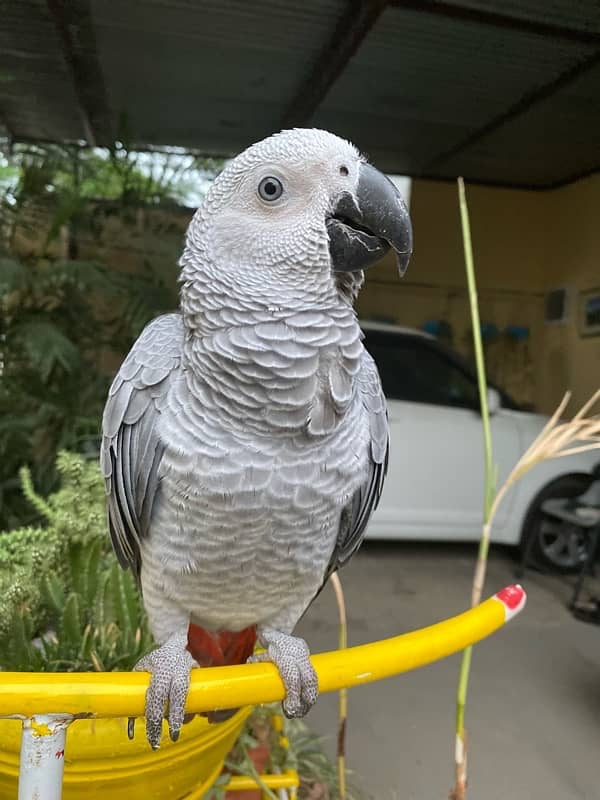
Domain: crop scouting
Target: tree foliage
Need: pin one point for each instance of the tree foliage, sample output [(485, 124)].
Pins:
[(59, 316), (57, 321)]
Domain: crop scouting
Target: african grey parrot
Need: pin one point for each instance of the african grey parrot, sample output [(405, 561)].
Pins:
[(245, 438)]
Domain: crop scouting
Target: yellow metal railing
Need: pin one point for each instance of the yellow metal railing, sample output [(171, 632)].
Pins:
[(241, 783), (110, 695), (121, 694)]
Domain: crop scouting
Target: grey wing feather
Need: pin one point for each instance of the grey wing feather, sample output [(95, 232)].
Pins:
[(356, 515), (131, 447)]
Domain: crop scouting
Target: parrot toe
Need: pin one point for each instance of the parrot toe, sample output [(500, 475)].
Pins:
[(291, 656), (170, 667)]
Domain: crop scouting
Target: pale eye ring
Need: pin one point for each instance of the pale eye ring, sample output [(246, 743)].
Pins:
[(270, 189)]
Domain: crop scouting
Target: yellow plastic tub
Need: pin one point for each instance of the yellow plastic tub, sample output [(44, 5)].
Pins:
[(101, 762)]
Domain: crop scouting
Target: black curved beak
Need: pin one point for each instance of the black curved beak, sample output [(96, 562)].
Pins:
[(361, 231)]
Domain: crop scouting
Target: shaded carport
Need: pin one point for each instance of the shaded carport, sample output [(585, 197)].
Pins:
[(502, 92)]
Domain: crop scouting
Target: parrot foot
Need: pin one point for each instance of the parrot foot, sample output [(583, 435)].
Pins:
[(170, 666), (291, 656)]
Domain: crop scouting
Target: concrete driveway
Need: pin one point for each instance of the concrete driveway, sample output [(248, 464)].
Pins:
[(534, 706)]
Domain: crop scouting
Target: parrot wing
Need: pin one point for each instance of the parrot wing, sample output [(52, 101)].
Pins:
[(356, 515), (131, 448)]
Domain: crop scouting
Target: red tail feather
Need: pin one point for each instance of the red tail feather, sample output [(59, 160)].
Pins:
[(222, 648)]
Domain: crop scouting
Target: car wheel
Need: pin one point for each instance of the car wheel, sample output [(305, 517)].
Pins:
[(549, 542)]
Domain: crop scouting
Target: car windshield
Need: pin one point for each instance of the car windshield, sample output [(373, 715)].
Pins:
[(421, 370)]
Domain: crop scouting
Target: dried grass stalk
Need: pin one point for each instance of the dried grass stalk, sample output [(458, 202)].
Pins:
[(343, 695), (556, 440)]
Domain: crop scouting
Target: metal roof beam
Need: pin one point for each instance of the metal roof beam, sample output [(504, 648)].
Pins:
[(497, 20), (525, 103), (74, 25), (5, 127), (356, 22)]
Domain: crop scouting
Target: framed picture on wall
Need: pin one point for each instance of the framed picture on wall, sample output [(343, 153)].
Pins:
[(589, 312)]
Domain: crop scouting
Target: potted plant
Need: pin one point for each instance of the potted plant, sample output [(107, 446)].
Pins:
[(65, 605)]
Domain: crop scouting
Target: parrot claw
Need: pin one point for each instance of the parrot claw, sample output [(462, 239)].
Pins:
[(170, 666), (291, 656)]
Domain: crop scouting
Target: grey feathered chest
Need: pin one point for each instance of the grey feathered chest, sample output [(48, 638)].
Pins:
[(266, 442), (249, 525), (271, 439)]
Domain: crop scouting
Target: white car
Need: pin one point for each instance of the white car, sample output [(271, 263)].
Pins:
[(435, 482)]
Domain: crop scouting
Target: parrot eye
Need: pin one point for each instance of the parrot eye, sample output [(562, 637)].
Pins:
[(270, 189), (343, 170)]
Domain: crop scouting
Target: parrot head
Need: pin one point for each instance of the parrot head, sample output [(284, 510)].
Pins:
[(300, 199)]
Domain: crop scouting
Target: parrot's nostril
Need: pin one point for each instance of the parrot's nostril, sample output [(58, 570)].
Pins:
[(343, 170)]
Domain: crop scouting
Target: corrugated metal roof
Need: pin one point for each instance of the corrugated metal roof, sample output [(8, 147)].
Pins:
[(213, 75), (581, 15), (37, 98), (418, 86), (553, 142), (501, 92)]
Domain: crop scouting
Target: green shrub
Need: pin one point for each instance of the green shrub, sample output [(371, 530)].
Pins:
[(26, 556), (65, 604), (76, 512)]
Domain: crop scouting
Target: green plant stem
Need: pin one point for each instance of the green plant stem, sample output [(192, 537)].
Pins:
[(38, 502), (478, 346), (480, 569), (462, 690)]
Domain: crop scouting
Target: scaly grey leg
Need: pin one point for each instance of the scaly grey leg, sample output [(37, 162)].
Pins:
[(291, 656), (170, 665)]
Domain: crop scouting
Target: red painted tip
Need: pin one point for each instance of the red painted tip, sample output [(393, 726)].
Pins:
[(513, 598)]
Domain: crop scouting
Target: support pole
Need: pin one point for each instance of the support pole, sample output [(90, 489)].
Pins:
[(43, 756)]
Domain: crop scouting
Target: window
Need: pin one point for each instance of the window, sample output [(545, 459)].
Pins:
[(412, 369), (556, 305)]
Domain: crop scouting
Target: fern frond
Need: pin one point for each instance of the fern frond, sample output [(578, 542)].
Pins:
[(46, 346)]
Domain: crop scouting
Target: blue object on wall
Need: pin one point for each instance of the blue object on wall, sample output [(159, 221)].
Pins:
[(432, 327), (438, 328), (489, 331), (520, 333)]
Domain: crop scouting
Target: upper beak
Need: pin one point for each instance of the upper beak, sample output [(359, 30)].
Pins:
[(362, 229)]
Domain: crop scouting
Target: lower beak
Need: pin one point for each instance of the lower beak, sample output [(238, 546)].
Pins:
[(364, 227)]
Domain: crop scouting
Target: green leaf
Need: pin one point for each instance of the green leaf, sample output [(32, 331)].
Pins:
[(69, 208), (13, 275), (92, 567), (101, 602), (53, 594), (124, 599), (46, 347), (19, 648), (70, 630), (87, 642)]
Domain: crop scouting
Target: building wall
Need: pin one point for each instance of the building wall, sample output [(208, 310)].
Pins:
[(572, 259), (524, 243)]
